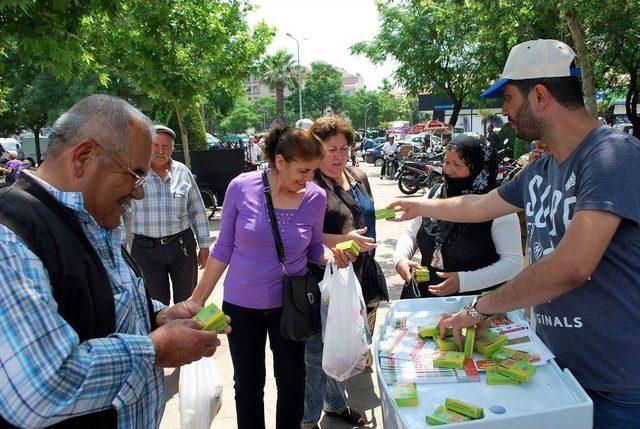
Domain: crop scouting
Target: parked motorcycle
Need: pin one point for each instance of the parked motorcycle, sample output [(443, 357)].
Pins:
[(414, 176), (392, 165)]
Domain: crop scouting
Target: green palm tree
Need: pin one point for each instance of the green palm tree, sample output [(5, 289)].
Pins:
[(278, 71)]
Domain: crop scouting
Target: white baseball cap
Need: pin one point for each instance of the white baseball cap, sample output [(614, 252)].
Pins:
[(535, 59)]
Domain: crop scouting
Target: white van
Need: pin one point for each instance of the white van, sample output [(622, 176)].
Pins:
[(11, 144)]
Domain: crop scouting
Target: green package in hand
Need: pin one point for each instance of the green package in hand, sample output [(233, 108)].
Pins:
[(212, 318), (386, 213), (349, 246)]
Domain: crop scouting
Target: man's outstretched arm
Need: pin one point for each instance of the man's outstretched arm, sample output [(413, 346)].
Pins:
[(466, 208)]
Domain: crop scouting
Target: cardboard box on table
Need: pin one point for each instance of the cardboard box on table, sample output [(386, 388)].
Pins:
[(552, 399)]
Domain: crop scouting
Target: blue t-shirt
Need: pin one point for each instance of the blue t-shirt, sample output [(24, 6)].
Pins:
[(594, 330)]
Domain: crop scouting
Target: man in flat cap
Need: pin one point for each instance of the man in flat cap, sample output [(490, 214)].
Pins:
[(164, 223)]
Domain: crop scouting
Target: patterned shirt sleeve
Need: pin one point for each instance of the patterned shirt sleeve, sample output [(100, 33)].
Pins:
[(198, 215), (46, 375)]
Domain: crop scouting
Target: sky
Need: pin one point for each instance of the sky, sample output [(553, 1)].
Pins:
[(331, 26)]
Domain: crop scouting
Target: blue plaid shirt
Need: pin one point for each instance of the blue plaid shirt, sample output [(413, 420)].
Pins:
[(46, 374), (170, 206)]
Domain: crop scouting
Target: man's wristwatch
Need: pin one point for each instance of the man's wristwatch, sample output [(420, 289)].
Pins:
[(470, 309)]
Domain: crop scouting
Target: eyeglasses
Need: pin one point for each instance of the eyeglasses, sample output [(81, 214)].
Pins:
[(139, 180)]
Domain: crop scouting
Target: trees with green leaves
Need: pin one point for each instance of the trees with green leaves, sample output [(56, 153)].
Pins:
[(436, 46), (242, 117), (322, 90), (278, 71), (613, 32), (173, 50)]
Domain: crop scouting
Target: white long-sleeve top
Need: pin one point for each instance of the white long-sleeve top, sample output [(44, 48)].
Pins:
[(505, 232)]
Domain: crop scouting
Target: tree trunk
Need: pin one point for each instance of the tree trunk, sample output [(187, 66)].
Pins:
[(631, 102), (279, 103), (202, 116), (185, 137), (588, 84), (36, 137)]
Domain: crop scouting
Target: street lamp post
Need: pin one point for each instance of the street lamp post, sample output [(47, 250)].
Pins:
[(366, 108), (299, 79)]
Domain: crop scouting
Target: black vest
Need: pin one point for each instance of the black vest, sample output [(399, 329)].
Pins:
[(468, 247), (79, 281)]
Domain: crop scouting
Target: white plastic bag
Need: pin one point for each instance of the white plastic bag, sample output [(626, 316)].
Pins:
[(200, 391), (345, 341), (325, 293)]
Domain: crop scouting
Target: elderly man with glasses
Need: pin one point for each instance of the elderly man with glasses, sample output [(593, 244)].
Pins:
[(164, 222), (83, 346)]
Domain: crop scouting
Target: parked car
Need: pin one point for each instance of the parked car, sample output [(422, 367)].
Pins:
[(374, 155), (11, 144)]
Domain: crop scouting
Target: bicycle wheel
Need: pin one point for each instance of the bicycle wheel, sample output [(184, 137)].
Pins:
[(210, 202)]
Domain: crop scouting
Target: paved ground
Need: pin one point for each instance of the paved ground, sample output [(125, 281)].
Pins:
[(362, 389)]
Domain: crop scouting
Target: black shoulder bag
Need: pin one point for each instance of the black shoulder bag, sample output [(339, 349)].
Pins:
[(301, 294)]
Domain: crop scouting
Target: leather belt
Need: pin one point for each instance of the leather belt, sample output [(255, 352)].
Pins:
[(161, 240)]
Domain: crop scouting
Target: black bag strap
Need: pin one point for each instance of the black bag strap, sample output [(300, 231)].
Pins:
[(274, 222)]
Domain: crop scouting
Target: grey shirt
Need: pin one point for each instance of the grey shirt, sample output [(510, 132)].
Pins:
[(594, 330)]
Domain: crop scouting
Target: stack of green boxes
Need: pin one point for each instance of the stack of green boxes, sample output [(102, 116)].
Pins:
[(448, 359), (421, 274), (212, 318), (454, 411), (511, 366)]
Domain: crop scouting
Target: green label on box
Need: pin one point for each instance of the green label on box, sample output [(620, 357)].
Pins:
[(489, 343), (448, 360), (469, 341), (433, 331), (520, 370), (448, 344), (464, 408), (494, 377)]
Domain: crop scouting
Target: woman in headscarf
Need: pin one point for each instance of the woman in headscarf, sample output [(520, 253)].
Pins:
[(462, 258)]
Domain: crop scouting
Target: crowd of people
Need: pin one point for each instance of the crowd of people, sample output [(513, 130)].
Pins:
[(88, 327)]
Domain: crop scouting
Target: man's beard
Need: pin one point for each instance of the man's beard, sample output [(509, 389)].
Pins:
[(160, 155), (527, 126)]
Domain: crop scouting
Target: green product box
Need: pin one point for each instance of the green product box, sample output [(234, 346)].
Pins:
[(446, 345), (386, 213), (520, 370), (349, 245), (464, 408), (405, 394), (494, 377), (442, 416), (507, 352), (433, 331), (469, 341), (212, 318), (489, 343), (421, 274), (448, 360)]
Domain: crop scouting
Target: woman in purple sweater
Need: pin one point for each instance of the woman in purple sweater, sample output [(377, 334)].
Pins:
[(253, 284)]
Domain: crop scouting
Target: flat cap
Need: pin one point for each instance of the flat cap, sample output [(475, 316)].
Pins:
[(166, 130)]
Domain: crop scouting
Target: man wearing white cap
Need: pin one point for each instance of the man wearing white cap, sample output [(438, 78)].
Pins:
[(582, 210), (164, 224)]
